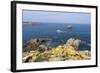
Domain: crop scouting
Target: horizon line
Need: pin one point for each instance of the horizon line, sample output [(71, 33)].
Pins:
[(51, 22)]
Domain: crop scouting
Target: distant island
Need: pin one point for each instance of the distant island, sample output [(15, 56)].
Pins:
[(27, 22)]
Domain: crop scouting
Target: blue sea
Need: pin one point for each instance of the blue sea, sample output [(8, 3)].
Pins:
[(58, 32)]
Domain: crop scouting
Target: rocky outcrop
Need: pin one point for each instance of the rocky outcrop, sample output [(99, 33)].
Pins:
[(36, 44), (74, 43), (36, 50)]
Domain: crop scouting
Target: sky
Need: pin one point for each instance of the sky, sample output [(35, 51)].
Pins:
[(56, 17)]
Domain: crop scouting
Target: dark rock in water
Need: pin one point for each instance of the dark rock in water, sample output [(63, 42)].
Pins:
[(36, 44)]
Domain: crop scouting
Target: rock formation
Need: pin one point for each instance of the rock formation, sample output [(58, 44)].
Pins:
[(37, 51), (73, 42), (36, 44)]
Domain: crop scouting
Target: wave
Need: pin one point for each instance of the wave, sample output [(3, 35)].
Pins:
[(60, 31), (71, 32)]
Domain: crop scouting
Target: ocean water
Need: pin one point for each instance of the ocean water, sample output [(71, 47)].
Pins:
[(58, 33)]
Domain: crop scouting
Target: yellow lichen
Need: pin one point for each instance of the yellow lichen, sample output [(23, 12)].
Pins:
[(60, 53)]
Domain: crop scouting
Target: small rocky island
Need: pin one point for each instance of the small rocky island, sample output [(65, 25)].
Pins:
[(38, 50)]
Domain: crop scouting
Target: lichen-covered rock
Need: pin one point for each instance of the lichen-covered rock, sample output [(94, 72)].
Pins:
[(31, 57), (85, 54), (63, 52), (56, 59)]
